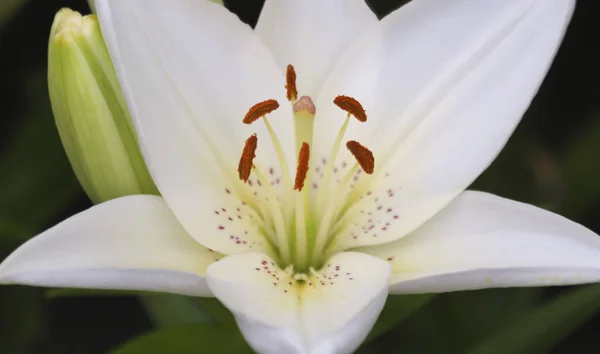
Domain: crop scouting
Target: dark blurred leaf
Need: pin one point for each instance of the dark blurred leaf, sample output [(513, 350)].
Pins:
[(163, 309), (540, 329), (68, 292), (8, 8), (219, 313), (193, 339), (397, 309), (20, 319), (472, 315), (582, 170), (170, 310), (456, 320), (523, 171), (36, 181), (12, 233)]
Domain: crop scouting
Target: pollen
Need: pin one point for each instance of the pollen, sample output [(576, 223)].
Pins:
[(260, 110), (352, 106), (302, 171), (363, 155), (245, 165), (290, 78)]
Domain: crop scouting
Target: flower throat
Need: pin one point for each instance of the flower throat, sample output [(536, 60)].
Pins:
[(303, 222)]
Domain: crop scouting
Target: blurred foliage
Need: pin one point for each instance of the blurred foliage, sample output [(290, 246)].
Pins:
[(21, 322), (8, 8), (187, 339), (171, 310), (396, 310), (539, 329), (35, 170), (551, 161)]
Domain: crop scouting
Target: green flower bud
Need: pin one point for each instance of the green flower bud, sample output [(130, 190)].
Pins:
[(90, 111)]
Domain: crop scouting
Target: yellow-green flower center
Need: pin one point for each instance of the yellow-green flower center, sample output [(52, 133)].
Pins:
[(299, 217)]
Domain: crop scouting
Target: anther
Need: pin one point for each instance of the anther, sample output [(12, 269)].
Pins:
[(302, 171), (290, 78), (259, 110), (351, 106), (245, 165), (363, 155)]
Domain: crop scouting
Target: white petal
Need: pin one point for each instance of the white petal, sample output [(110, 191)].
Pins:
[(444, 83), (331, 312), (481, 241), (312, 35), (190, 71), (130, 243)]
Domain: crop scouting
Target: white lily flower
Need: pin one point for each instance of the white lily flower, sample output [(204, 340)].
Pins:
[(301, 238)]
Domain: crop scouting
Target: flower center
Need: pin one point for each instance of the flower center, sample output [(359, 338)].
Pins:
[(298, 221)]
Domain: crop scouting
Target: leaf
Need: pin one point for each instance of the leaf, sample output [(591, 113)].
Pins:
[(69, 292), (582, 171), (169, 310), (11, 233), (217, 311), (8, 8), (458, 319), (163, 309), (397, 309), (21, 320), (189, 339), (540, 329), (36, 181)]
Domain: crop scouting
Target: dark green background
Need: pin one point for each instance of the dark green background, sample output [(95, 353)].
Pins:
[(552, 161)]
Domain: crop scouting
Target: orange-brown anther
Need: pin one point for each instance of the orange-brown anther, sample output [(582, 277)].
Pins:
[(363, 155), (351, 106), (259, 110), (290, 78), (245, 165), (302, 171)]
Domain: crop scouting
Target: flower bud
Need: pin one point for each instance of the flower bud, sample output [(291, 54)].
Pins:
[(90, 111)]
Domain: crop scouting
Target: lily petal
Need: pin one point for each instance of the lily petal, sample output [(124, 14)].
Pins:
[(444, 83), (130, 243), (190, 71), (482, 241), (312, 35), (331, 311)]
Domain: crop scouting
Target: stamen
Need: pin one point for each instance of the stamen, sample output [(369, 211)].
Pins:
[(323, 193), (363, 155), (351, 106), (290, 77), (248, 155), (259, 110), (278, 218), (302, 170)]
